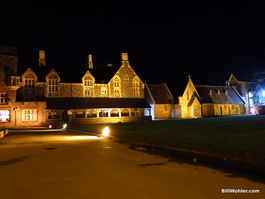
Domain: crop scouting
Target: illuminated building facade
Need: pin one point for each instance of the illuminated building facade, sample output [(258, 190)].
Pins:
[(160, 99), (42, 95), (252, 92), (206, 100)]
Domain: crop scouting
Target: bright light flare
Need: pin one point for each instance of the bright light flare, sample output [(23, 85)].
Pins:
[(64, 126), (263, 93), (106, 131), (90, 137)]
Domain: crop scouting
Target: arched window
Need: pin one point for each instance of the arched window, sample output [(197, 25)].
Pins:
[(136, 87)]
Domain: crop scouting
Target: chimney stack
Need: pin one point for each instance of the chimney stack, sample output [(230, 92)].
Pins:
[(124, 59), (124, 56), (90, 63), (42, 60)]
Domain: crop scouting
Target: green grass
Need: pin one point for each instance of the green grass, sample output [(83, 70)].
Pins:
[(241, 133)]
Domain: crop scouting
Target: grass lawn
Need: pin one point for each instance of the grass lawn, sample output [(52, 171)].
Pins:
[(241, 133)]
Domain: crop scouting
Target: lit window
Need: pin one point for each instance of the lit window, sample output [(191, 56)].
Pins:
[(135, 87), (52, 85), (29, 81), (117, 93), (4, 116), (29, 115), (88, 86), (116, 84), (103, 91), (88, 83), (117, 87), (13, 81), (3, 98), (88, 91)]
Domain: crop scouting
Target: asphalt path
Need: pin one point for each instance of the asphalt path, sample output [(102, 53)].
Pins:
[(69, 165)]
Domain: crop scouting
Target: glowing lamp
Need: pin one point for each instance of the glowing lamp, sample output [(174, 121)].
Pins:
[(106, 131), (64, 126)]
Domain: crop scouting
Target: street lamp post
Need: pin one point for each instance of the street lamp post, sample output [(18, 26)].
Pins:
[(15, 109)]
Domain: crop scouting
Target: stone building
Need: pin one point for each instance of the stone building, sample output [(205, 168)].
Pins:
[(42, 95), (160, 99), (252, 92), (207, 100), (15, 113)]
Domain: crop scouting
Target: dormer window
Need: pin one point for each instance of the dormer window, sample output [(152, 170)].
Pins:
[(218, 92), (29, 83), (88, 82), (210, 92), (226, 92), (88, 86), (52, 85)]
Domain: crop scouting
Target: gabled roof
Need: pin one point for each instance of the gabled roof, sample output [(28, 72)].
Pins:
[(160, 93), (89, 103), (218, 94), (69, 73)]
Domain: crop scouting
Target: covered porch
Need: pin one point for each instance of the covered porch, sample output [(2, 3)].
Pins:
[(96, 110)]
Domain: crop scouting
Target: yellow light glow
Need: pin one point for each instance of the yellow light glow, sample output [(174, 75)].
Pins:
[(90, 137), (106, 131)]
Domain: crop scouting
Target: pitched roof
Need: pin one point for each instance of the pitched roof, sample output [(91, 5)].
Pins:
[(69, 73), (218, 94), (89, 103), (160, 93)]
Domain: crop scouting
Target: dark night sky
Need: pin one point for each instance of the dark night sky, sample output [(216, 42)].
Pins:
[(166, 41)]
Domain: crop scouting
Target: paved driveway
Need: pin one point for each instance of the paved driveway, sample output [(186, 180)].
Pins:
[(67, 165)]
